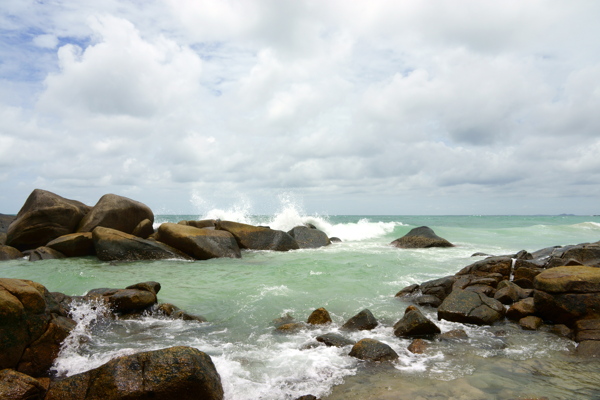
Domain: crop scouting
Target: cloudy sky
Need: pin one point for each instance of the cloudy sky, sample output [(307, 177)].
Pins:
[(347, 107)]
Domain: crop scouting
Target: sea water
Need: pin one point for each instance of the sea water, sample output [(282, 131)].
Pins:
[(241, 297)]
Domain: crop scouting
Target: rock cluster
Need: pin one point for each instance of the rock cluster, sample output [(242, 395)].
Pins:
[(117, 228)]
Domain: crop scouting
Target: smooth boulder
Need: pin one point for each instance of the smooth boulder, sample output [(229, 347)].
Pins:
[(470, 307), (116, 212), (74, 244), (309, 238), (319, 317), (422, 237), (258, 238), (373, 350), (415, 324), (135, 298), (182, 373), (114, 245), (44, 217), (9, 253), (202, 244), (363, 321)]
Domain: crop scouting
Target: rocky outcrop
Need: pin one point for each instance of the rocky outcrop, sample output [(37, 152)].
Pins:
[(31, 329), (415, 324), (363, 321), (258, 238), (181, 373), (18, 386), (422, 237), (309, 238), (566, 294), (44, 217), (201, 244), (470, 307), (116, 212), (373, 350), (74, 244), (114, 245)]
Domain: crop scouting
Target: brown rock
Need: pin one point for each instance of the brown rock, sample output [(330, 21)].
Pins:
[(588, 349), (115, 212), (492, 265), (308, 238), (414, 323), (175, 312), (455, 334), (10, 253), (18, 386), (44, 253), (144, 229), (470, 307), (74, 244), (566, 308), (363, 321), (572, 279), (202, 244), (418, 346), (373, 350), (124, 300), (421, 238), (319, 317), (335, 339), (521, 309), (258, 238), (531, 323)]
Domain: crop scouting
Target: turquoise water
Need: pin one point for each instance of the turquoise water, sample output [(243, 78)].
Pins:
[(240, 298)]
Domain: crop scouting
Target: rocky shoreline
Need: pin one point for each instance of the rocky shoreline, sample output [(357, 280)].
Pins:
[(553, 289)]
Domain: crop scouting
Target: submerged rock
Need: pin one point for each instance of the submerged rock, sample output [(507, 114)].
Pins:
[(335, 339), (421, 238), (363, 321), (182, 373)]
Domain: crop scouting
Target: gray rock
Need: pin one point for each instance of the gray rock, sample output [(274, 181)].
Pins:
[(363, 321), (421, 238), (470, 307), (373, 350), (414, 324), (308, 238)]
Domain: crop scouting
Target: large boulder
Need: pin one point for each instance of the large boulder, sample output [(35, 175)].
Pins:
[(363, 321), (470, 307), (124, 300), (414, 324), (31, 331), (202, 244), (566, 294), (9, 253), (258, 238), (492, 265), (44, 217), (373, 350), (18, 386), (182, 373), (114, 245), (309, 238), (421, 238), (116, 212), (74, 244)]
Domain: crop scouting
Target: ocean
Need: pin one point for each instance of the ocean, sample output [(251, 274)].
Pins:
[(240, 298)]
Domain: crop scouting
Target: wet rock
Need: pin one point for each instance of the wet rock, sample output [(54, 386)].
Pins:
[(428, 300), (455, 334), (10, 253), (18, 386), (150, 286), (418, 346), (531, 323), (334, 239), (258, 238), (205, 223), (292, 327), (507, 293), (335, 340), (363, 321), (44, 253), (144, 229), (439, 288), (202, 244), (44, 217), (319, 317), (408, 291), (562, 330), (114, 245), (492, 265), (308, 238), (521, 309), (414, 324), (588, 349), (483, 289), (115, 212), (124, 300), (470, 307), (373, 350), (307, 397), (181, 373), (569, 279), (286, 319), (587, 329), (421, 238), (74, 244), (175, 312)]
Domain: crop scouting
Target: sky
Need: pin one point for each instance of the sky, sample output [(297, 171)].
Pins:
[(345, 107)]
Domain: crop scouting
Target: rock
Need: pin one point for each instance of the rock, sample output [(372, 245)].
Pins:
[(150, 286), (428, 300), (114, 245), (74, 244), (319, 317), (588, 349), (508, 293), (124, 300), (115, 212), (500, 264), (335, 340), (181, 373), (414, 324), (308, 238), (18, 386), (363, 321), (335, 239), (521, 309), (572, 279), (205, 223), (373, 350), (562, 330), (44, 217), (30, 335), (408, 291), (10, 253), (470, 307), (439, 288), (587, 329), (480, 254), (5, 221), (531, 323), (585, 254), (483, 289), (144, 229), (258, 238), (455, 334), (2, 238), (175, 312), (524, 276), (421, 238), (307, 397), (418, 346), (286, 319), (292, 327), (44, 253), (202, 244)]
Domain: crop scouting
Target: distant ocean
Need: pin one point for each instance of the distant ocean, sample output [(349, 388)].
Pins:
[(241, 297)]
